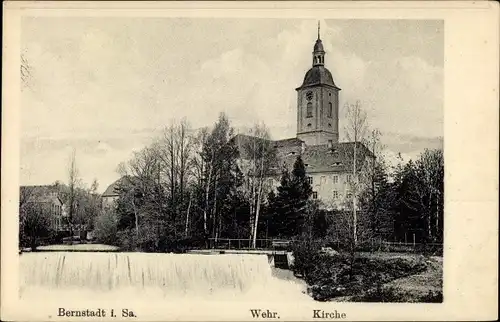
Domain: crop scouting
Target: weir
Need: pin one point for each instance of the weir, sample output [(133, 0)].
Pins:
[(156, 275)]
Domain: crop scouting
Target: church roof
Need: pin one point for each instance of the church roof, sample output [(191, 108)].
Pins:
[(337, 158), (317, 158), (318, 75), (318, 46), (291, 142)]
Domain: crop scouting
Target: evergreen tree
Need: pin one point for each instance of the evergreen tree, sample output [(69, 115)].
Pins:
[(289, 205)]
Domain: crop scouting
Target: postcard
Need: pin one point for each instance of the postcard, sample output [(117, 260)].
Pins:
[(250, 161)]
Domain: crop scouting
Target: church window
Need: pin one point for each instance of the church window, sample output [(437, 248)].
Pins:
[(308, 124), (335, 179), (335, 194), (310, 180), (330, 109), (315, 195), (309, 109)]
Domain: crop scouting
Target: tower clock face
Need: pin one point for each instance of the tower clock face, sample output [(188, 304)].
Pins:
[(309, 96)]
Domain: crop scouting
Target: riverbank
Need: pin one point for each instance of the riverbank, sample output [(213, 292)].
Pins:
[(374, 277)]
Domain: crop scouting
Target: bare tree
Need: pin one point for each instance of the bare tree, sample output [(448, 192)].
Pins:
[(142, 171), (73, 186), (355, 130), (175, 151), (429, 191), (199, 167), (260, 155), (372, 178)]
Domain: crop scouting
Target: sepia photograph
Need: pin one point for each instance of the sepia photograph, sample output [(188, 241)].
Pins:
[(229, 159), (300, 151)]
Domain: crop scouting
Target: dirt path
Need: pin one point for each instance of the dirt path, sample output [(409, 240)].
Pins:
[(421, 284)]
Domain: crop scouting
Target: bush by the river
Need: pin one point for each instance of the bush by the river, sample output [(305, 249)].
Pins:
[(106, 228)]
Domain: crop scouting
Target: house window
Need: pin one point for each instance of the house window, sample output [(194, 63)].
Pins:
[(335, 195), (310, 180), (348, 194), (309, 110), (270, 182), (349, 178), (322, 180), (315, 195), (330, 109), (335, 179)]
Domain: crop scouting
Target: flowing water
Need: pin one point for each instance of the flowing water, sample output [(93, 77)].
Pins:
[(157, 276)]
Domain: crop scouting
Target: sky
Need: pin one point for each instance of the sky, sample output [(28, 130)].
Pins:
[(106, 87)]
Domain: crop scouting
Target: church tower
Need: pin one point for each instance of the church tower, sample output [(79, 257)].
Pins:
[(318, 102)]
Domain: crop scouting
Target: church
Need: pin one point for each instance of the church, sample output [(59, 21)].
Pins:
[(329, 163)]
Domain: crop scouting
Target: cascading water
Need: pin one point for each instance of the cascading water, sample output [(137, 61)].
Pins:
[(160, 276)]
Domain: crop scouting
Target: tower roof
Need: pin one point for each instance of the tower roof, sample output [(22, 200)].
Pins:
[(318, 75), (318, 46)]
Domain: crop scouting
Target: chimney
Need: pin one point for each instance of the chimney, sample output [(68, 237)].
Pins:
[(330, 144), (303, 147)]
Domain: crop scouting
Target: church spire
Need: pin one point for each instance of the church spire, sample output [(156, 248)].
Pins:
[(318, 53)]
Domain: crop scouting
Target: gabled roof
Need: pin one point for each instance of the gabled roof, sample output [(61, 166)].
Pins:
[(291, 142), (337, 157), (41, 194), (112, 189)]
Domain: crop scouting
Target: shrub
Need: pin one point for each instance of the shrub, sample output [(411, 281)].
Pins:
[(127, 239), (105, 230), (307, 256)]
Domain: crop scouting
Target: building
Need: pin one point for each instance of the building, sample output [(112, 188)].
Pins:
[(329, 163), (46, 198), (112, 193)]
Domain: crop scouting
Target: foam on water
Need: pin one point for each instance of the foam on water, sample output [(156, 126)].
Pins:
[(157, 276)]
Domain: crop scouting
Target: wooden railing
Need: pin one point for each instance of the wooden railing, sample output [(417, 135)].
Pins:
[(285, 244), (66, 227), (241, 243)]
